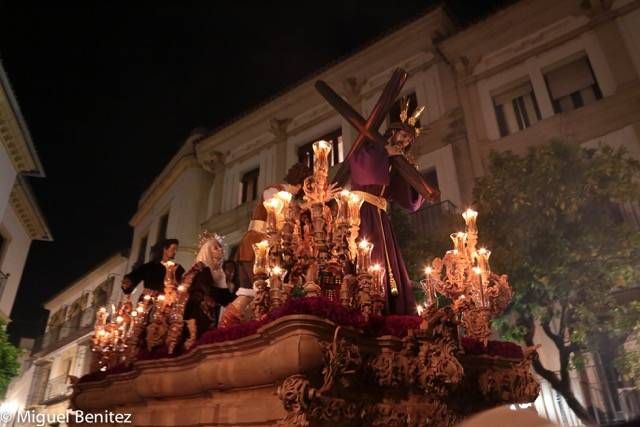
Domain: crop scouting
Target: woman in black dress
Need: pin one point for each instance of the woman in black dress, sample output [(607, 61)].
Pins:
[(208, 291)]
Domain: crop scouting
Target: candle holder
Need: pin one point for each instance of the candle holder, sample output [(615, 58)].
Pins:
[(274, 207), (260, 303), (321, 151), (364, 256), (354, 204), (275, 286), (377, 291)]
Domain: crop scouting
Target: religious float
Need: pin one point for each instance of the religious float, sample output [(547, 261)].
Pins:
[(319, 349)]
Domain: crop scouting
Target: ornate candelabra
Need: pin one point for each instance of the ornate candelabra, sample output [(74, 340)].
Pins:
[(464, 276)]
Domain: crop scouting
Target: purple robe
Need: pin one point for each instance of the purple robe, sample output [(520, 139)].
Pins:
[(371, 172)]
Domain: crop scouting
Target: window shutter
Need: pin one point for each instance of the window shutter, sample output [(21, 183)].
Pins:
[(570, 78)]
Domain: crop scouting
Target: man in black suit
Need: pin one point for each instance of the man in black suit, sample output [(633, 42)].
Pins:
[(153, 273)]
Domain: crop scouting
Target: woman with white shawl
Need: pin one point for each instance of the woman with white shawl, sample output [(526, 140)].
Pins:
[(208, 290)]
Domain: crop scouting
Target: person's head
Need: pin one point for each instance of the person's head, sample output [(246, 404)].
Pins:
[(164, 250), (402, 137), (297, 174), (169, 249), (211, 251)]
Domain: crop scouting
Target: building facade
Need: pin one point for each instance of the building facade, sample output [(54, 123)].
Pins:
[(63, 353), (21, 221)]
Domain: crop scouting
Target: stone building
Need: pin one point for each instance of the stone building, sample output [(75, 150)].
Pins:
[(21, 221), (63, 353)]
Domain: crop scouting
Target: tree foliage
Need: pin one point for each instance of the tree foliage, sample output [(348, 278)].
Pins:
[(553, 221), (8, 360)]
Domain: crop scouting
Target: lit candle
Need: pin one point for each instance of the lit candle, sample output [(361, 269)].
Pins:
[(275, 280), (377, 272), (119, 319), (364, 255), (483, 255), (321, 150), (470, 217), (342, 200), (161, 298), (428, 286), (261, 251), (478, 273), (181, 288), (354, 204), (134, 313), (147, 297), (459, 241), (274, 207)]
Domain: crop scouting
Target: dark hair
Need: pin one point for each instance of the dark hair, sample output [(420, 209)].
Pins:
[(168, 242), (297, 174), (156, 250)]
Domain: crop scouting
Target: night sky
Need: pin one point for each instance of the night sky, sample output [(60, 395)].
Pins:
[(111, 91)]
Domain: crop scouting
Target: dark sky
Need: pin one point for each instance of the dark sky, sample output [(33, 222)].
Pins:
[(110, 92)]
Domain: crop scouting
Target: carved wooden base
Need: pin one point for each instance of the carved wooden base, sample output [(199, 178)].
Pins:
[(302, 370)]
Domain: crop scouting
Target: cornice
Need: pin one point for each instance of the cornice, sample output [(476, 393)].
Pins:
[(14, 133), (26, 208)]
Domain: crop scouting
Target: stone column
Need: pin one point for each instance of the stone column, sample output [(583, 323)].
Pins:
[(279, 131)]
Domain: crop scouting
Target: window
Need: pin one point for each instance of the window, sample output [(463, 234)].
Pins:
[(305, 152), (249, 186), (572, 86), (162, 227), (142, 250), (516, 109), (394, 111)]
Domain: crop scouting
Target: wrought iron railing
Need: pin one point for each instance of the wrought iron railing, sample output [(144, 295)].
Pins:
[(57, 387), (74, 327), (433, 217)]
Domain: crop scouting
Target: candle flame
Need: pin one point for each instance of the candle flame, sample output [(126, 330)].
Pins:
[(477, 270), (263, 244), (469, 214), (277, 270), (181, 288), (364, 244), (375, 267), (428, 270), (285, 196)]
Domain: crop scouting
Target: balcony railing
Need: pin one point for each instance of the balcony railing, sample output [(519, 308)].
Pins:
[(433, 217), (57, 388), (71, 329)]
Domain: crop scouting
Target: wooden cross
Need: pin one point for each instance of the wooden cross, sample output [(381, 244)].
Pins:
[(369, 130)]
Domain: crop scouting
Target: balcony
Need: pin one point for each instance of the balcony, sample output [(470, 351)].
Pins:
[(57, 389), (433, 217), (230, 221), (72, 329)]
